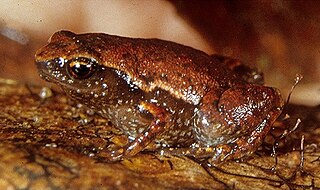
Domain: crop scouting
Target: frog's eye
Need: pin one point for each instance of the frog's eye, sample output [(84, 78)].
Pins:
[(81, 68)]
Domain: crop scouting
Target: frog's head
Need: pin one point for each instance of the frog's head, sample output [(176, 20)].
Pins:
[(68, 61)]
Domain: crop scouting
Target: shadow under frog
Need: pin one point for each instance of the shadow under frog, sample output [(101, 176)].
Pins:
[(182, 100)]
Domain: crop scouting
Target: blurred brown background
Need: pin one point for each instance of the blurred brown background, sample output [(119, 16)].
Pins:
[(281, 38)]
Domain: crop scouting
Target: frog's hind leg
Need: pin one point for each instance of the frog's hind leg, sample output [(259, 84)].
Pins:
[(242, 146)]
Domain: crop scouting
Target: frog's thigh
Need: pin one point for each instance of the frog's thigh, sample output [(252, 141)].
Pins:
[(244, 145), (157, 126)]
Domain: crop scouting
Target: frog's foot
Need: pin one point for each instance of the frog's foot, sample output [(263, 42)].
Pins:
[(157, 126), (242, 146)]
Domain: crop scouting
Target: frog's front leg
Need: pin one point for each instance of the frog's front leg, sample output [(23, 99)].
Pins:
[(156, 127)]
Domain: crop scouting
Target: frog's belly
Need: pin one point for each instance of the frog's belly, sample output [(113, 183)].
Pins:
[(131, 122)]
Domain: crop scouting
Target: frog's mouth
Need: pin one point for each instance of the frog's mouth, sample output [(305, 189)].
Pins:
[(43, 71), (54, 74), (48, 72)]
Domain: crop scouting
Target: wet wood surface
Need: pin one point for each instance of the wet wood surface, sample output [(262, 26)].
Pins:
[(52, 143)]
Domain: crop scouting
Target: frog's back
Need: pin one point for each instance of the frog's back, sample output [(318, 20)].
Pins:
[(184, 72)]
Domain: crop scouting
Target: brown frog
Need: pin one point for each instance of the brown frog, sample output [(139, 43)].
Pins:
[(161, 94)]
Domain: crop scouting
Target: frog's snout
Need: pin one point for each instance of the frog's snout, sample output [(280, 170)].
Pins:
[(48, 70), (42, 69)]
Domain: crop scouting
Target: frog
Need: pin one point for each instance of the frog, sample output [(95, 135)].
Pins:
[(164, 96)]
